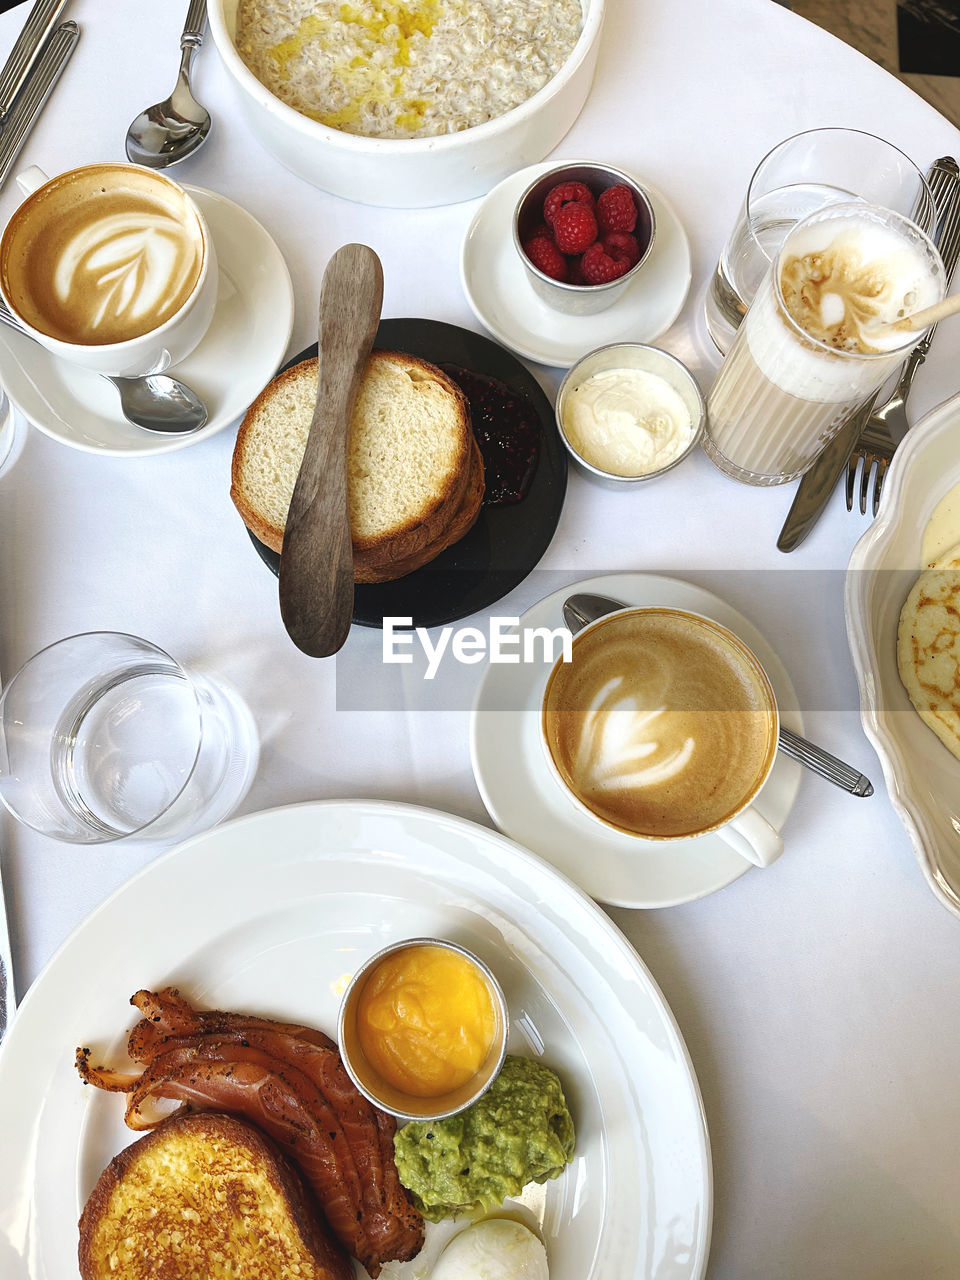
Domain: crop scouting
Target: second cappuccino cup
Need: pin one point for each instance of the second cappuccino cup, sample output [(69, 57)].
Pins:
[(110, 267), (664, 726)]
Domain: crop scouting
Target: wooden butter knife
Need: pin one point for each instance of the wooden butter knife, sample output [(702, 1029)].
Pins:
[(316, 562)]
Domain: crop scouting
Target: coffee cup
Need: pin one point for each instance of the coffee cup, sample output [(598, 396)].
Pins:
[(664, 726), (111, 267)]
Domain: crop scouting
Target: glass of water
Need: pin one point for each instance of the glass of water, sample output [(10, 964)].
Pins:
[(105, 737), (799, 177)]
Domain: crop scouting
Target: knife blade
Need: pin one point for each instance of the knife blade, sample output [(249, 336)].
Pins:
[(26, 51), (817, 484), (46, 72)]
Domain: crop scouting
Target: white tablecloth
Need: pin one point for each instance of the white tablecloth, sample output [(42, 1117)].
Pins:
[(818, 998)]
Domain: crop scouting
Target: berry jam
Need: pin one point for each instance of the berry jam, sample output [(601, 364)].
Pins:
[(507, 429)]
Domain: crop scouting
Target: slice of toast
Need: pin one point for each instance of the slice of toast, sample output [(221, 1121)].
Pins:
[(210, 1196), (410, 457), (368, 567)]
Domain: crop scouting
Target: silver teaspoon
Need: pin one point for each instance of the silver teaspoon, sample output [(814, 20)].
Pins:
[(155, 402), (172, 130), (583, 608)]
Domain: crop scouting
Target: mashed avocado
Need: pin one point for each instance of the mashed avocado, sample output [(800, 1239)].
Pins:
[(520, 1131)]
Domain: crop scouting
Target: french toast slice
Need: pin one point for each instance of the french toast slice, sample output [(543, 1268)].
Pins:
[(205, 1196)]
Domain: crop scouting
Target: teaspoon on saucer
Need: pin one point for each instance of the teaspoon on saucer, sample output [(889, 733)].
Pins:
[(584, 607), (154, 402), (171, 130)]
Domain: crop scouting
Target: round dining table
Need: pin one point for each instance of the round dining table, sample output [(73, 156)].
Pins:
[(818, 998)]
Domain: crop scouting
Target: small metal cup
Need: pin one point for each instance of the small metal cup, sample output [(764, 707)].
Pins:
[(581, 299), (407, 1106), (633, 355)]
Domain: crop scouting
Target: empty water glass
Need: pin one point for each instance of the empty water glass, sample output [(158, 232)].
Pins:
[(105, 737)]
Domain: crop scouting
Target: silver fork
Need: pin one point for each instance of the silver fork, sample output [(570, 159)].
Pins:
[(888, 424)]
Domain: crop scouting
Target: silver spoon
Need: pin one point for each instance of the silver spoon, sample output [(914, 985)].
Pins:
[(584, 608), (155, 402), (172, 130)]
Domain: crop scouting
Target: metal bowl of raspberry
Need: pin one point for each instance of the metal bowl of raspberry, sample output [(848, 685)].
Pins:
[(583, 232)]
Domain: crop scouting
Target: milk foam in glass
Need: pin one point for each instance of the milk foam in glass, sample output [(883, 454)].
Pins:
[(816, 341)]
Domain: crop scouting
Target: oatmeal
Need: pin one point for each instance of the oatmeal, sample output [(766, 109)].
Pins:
[(406, 70)]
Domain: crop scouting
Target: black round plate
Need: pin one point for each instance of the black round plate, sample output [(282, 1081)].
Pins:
[(506, 542)]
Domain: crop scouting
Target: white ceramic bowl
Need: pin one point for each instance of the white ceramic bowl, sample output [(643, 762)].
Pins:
[(418, 172), (922, 776)]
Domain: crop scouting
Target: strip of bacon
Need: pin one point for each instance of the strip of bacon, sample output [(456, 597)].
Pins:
[(290, 1081)]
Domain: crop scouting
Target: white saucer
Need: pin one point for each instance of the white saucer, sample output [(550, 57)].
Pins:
[(527, 804), (500, 296), (241, 351)]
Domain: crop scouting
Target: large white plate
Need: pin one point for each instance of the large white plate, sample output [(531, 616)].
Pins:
[(526, 802), (922, 777), (267, 914)]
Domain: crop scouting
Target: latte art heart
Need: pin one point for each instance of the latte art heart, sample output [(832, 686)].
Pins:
[(619, 745), (662, 724)]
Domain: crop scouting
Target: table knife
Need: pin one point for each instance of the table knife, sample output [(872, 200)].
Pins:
[(24, 54), (817, 484), (45, 73)]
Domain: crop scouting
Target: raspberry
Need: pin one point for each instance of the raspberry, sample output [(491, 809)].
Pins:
[(574, 228), (616, 209), (620, 244), (540, 231), (598, 266), (566, 193), (543, 253), (575, 272)]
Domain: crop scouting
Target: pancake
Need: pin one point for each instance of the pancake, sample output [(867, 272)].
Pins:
[(949, 560), (928, 649)]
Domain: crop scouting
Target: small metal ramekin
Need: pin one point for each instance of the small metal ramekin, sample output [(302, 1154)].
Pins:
[(407, 1106), (633, 355), (581, 299)]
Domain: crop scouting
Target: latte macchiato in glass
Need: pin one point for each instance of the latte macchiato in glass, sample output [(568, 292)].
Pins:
[(816, 340), (102, 255), (663, 725)]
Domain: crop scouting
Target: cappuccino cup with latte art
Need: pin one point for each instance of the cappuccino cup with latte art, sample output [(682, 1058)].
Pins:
[(664, 726), (110, 266)]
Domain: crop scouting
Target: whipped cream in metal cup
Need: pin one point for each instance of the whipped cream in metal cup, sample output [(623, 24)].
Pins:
[(625, 357), (581, 299)]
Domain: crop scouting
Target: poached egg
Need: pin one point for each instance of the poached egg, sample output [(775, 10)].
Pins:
[(494, 1249)]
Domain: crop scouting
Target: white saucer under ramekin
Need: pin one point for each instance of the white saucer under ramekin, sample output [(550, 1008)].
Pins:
[(527, 804), (922, 777), (500, 296), (243, 348)]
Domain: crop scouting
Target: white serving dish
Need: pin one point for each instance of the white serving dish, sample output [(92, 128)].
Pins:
[(418, 172), (922, 776)]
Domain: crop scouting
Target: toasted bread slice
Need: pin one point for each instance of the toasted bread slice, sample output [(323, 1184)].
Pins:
[(409, 455), (370, 568), (205, 1195)]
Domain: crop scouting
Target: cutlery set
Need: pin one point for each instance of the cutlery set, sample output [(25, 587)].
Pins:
[(871, 435)]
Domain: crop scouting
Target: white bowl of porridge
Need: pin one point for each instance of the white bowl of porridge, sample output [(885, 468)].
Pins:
[(409, 103)]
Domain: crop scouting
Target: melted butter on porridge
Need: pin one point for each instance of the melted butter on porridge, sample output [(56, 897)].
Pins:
[(406, 70)]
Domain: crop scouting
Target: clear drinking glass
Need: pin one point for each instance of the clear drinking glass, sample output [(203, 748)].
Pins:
[(105, 737), (781, 394), (800, 176)]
